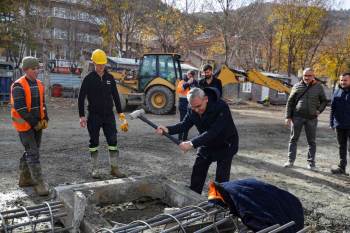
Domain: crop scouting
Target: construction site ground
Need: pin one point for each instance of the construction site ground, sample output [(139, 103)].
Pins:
[(263, 150)]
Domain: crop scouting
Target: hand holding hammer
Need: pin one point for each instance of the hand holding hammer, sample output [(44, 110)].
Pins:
[(159, 129)]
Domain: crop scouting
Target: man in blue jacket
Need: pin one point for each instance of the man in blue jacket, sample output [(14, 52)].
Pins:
[(340, 119), (217, 139)]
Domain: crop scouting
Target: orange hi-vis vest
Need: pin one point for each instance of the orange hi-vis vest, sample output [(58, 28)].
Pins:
[(180, 90), (17, 121)]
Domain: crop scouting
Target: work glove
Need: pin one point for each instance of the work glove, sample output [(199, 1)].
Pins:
[(121, 116), (41, 125), (124, 127), (44, 124)]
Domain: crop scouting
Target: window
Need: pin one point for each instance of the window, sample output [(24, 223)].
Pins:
[(247, 87), (166, 68), (60, 34), (148, 70)]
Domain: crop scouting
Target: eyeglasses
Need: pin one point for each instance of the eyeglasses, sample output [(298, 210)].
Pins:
[(308, 75)]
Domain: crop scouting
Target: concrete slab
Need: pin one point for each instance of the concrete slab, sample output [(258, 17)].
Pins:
[(80, 199)]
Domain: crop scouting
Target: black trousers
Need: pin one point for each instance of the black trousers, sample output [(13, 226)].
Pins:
[(200, 171), (107, 123), (343, 136), (183, 108)]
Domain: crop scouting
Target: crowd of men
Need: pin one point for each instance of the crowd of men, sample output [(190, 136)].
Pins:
[(200, 105)]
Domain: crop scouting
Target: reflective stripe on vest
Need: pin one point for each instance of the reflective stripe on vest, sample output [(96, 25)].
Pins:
[(180, 90), (17, 121)]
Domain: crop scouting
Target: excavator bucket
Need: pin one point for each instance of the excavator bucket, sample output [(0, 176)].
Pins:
[(260, 79), (227, 76)]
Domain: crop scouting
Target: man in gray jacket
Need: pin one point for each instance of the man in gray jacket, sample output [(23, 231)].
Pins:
[(306, 101)]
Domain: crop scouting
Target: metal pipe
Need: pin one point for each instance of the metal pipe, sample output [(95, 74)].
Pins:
[(213, 225), (32, 212), (163, 219), (266, 230), (30, 207), (191, 221), (47, 219), (306, 229), (180, 213), (283, 227)]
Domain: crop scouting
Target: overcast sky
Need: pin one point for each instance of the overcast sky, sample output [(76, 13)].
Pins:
[(196, 5)]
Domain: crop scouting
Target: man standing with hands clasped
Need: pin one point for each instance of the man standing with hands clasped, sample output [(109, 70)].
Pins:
[(306, 102), (29, 118), (217, 140), (100, 89)]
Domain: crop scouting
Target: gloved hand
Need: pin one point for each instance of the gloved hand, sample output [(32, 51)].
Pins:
[(41, 125), (124, 127), (44, 124), (121, 116)]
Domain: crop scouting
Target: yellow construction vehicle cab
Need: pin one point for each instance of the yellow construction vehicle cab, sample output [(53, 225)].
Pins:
[(154, 85)]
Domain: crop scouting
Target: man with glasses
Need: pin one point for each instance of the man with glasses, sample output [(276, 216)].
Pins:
[(217, 140), (306, 102)]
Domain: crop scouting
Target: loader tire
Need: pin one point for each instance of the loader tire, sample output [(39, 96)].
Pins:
[(159, 100)]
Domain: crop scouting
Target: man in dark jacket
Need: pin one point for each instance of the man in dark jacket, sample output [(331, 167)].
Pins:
[(209, 79), (340, 120), (100, 89), (306, 101), (217, 139)]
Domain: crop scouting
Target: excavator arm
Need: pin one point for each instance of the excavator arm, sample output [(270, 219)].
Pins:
[(233, 76)]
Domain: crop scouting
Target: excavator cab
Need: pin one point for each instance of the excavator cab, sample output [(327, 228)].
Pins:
[(154, 86)]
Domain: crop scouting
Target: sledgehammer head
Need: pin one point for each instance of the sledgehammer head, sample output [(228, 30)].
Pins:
[(136, 114)]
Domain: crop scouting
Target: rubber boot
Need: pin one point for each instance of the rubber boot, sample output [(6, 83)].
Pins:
[(40, 187), (25, 179), (113, 156), (94, 162)]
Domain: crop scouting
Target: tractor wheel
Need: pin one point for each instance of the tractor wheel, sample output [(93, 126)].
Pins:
[(159, 100)]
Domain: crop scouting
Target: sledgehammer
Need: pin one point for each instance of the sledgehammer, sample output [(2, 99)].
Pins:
[(139, 114)]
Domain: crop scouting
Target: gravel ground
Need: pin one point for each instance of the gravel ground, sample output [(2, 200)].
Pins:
[(263, 147)]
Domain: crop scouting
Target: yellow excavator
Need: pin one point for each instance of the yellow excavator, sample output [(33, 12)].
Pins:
[(154, 84)]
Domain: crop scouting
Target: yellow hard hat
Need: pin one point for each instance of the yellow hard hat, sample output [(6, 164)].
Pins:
[(99, 57)]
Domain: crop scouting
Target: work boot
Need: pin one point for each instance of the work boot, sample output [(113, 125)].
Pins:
[(288, 164), (25, 179), (94, 161), (113, 156), (40, 187), (338, 171)]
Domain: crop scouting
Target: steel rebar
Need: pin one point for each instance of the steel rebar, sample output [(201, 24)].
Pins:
[(180, 213), (29, 208), (283, 227), (32, 212), (213, 225), (40, 220)]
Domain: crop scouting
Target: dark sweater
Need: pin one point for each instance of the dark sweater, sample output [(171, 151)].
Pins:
[(214, 83), (32, 117), (340, 109), (100, 94)]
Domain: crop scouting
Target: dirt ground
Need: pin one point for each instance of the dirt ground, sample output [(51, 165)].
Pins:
[(263, 147)]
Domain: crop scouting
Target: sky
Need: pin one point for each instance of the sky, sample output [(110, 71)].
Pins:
[(195, 5)]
